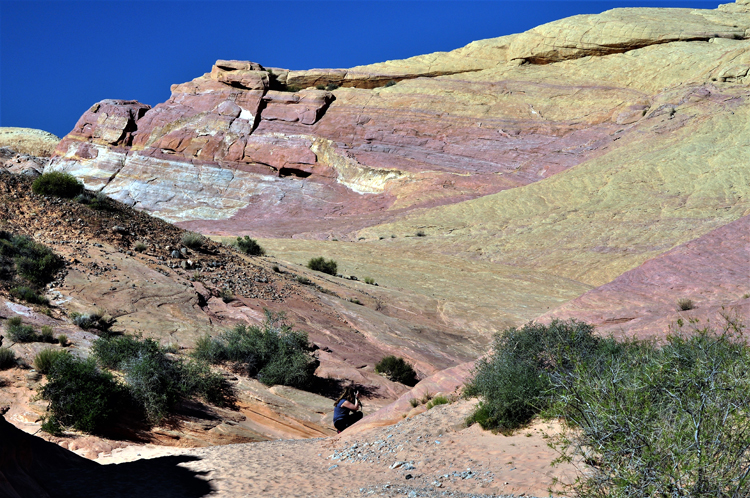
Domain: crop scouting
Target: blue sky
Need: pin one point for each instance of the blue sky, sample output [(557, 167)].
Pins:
[(57, 58)]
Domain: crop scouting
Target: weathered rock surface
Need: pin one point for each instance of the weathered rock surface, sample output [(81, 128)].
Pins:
[(28, 141), (712, 271)]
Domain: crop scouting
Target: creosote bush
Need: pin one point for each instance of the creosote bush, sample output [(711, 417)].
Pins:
[(58, 184), (7, 358), (81, 395), (18, 332), (249, 246), (685, 304), (29, 295), (662, 420), (322, 265), (21, 256), (397, 370), (273, 353), (514, 381), (46, 358), (192, 240), (155, 381)]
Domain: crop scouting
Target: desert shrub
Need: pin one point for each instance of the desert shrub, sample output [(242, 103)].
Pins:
[(7, 358), (370, 280), (80, 395), (156, 382), (514, 381), (227, 295), (331, 87), (45, 358), (96, 320), (140, 246), (320, 87), (28, 294), (438, 400), (192, 240), (414, 402), (303, 280), (667, 420), (322, 265), (62, 339), (685, 304), (397, 370), (273, 353), (420, 233), (32, 261), (112, 352), (45, 334), (18, 332), (249, 246), (58, 184)]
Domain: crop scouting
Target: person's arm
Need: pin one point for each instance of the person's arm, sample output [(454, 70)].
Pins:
[(352, 406)]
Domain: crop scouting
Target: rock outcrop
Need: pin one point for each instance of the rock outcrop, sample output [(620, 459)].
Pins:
[(28, 141)]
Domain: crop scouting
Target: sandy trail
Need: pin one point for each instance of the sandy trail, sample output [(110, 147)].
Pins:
[(438, 457)]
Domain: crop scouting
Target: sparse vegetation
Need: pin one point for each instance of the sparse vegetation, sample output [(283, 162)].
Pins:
[(80, 395), (18, 332), (46, 358), (331, 87), (249, 246), (662, 420), (192, 240), (98, 320), (155, 381), (390, 83), (273, 353), (397, 370), (46, 335), (355, 301), (322, 265), (62, 339), (438, 400), (7, 358), (303, 280), (369, 280), (420, 233), (414, 402), (29, 295), (140, 246), (227, 295), (58, 184), (685, 304), (514, 381), (31, 261)]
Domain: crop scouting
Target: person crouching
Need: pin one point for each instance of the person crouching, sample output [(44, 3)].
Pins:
[(347, 403)]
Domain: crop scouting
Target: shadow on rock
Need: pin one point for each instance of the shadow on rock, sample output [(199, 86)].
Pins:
[(33, 467)]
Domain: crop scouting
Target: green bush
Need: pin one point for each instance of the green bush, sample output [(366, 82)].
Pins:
[(18, 332), (29, 295), (113, 352), (668, 420), (514, 381), (7, 358), (33, 262), (397, 370), (58, 184), (96, 320), (140, 246), (322, 265), (438, 400), (62, 339), (685, 304), (275, 353), (369, 280), (192, 240), (45, 359), (46, 334), (155, 381), (80, 395), (249, 246)]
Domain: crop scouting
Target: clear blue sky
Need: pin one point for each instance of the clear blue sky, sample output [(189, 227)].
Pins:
[(57, 58)]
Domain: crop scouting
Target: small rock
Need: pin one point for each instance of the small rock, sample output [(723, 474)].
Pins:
[(175, 254)]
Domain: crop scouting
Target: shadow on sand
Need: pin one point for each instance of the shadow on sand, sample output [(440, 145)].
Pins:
[(160, 477)]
